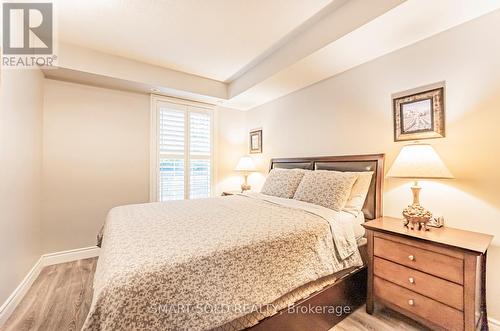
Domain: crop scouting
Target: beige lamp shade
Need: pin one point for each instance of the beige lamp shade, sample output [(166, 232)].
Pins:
[(245, 164), (419, 161)]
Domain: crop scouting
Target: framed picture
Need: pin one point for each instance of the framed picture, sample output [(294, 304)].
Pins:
[(255, 141), (419, 115)]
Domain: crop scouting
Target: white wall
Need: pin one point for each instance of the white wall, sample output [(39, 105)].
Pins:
[(21, 100), (231, 144), (96, 156), (352, 114)]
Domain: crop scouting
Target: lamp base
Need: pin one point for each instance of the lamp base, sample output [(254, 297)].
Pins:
[(415, 215), (245, 187)]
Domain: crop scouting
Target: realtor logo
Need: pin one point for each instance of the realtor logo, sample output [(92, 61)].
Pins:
[(27, 33)]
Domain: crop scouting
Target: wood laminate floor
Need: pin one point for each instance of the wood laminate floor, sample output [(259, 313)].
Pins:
[(59, 299), (61, 295)]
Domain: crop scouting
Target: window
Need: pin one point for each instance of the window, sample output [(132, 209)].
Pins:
[(182, 152)]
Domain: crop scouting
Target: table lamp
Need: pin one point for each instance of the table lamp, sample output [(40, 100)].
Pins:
[(418, 161), (245, 165)]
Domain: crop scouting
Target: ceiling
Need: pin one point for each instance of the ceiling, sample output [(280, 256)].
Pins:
[(239, 53), (216, 39)]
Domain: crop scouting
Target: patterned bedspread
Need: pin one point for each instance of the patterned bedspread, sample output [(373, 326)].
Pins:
[(200, 264)]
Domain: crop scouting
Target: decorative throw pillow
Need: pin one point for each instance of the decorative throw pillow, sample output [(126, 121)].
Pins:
[(359, 190), (326, 188), (282, 182)]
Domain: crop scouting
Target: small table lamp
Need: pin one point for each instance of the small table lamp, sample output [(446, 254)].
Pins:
[(418, 161), (245, 165)]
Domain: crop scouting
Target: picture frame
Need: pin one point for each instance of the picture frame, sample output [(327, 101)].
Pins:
[(255, 141), (419, 115)]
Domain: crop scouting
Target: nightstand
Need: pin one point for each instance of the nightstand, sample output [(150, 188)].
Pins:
[(226, 193), (437, 277)]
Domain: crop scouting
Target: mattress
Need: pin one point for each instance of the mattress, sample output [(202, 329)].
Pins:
[(162, 264)]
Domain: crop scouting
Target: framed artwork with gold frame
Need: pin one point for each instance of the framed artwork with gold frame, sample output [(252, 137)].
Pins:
[(255, 141), (419, 115)]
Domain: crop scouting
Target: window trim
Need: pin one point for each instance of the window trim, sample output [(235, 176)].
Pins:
[(187, 106)]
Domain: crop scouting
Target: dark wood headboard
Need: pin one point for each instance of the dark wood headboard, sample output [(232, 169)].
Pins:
[(373, 162)]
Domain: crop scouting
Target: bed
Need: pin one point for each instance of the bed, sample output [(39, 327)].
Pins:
[(232, 263)]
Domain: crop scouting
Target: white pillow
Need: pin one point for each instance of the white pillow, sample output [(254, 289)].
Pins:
[(359, 191), (282, 182), (326, 188)]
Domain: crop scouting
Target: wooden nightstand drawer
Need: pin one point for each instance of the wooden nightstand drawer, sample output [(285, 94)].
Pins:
[(447, 268), (418, 305), (435, 288), (444, 266)]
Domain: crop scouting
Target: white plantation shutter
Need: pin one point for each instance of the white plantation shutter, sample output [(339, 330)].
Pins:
[(171, 132), (199, 134), (199, 179), (183, 164), (200, 152), (171, 181)]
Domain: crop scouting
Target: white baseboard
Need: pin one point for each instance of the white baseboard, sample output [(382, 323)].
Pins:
[(45, 260), (71, 255), (494, 324), (15, 298)]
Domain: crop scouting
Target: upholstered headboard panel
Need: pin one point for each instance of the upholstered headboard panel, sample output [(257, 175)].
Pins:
[(373, 162)]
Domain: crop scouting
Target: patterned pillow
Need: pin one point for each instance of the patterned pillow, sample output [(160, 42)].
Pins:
[(282, 182), (326, 188)]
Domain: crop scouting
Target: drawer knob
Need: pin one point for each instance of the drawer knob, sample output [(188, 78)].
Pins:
[(411, 257), (411, 280), (411, 302)]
